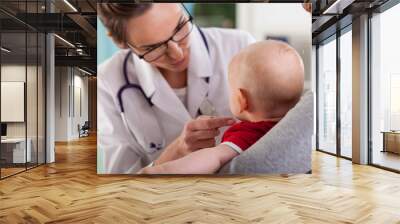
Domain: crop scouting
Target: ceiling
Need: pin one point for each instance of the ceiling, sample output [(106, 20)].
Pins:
[(75, 21), (332, 15), (72, 20)]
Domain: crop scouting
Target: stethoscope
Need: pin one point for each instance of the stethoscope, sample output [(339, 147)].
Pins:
[(129, 85)]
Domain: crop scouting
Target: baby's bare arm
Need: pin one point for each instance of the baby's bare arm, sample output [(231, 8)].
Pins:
[(204, 161)]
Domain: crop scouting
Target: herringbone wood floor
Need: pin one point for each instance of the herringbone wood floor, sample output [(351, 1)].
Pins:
[(69, 191)]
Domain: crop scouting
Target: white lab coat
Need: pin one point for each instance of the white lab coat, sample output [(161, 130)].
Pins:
[(122, 153)]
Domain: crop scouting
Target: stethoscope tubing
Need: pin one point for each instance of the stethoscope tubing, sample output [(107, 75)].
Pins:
[(129, 85)]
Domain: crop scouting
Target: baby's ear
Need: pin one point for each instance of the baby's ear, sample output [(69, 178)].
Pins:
[(243, 100)]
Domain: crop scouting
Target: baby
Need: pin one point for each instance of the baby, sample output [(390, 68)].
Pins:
[(266, 80)]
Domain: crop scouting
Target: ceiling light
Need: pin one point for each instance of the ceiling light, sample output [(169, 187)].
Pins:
[(79, 51), (5, 50), (338, 6), (70, 5), (84, 71), (64, 40)]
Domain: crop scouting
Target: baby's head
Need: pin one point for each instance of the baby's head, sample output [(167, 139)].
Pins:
[(266, 80)]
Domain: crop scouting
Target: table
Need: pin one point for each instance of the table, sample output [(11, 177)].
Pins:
[(391, 141), (15, 148)]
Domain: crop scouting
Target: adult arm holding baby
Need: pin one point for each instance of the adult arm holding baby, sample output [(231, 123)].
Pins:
[(204, 161)]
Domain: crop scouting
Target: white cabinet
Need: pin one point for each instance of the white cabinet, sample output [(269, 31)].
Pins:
[(17, 146)]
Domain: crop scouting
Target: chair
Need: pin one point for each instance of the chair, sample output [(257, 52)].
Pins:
[(84, 130)]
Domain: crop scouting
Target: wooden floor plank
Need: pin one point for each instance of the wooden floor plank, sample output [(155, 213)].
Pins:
[(70, 191)]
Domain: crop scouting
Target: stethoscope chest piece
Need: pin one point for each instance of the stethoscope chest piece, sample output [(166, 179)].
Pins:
[(207, 108), (158, 146)]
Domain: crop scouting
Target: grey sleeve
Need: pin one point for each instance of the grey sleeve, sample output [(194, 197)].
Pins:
[(285, 149)]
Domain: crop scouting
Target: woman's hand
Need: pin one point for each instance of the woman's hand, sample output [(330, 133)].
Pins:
[(197, 134), (201, 132)]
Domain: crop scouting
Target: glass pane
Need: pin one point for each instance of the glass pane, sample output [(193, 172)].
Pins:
[(13, 86), (346, 94), (327, 97), (32, 85), (386, 89), (22, 88), (41, 98), (31, 97)]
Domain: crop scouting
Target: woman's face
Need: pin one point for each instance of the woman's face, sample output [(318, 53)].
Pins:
[(156, 25)]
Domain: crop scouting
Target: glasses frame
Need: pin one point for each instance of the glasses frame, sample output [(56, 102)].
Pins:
[(183, 24)]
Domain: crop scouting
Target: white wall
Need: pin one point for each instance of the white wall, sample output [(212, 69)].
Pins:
[(61, 103), (15, 72), (80, 84), (70, 83), (279, 19)]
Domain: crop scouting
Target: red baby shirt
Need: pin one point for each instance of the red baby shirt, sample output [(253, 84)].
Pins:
[(244, 134)]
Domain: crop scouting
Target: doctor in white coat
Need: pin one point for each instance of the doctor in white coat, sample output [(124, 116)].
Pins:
[(165, 94)]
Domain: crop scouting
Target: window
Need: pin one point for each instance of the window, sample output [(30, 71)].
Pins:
[(22, 77), (394, 102), (346, 94), (385, 89), (327, 97)]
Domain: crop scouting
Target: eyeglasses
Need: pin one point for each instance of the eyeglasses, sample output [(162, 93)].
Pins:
[(182, 31)]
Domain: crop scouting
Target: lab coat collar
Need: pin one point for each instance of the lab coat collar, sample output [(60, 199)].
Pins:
[(200, 61), (145, 74), (199, 69)]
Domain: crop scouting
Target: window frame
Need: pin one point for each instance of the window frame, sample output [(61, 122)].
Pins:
[(334, 37)]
